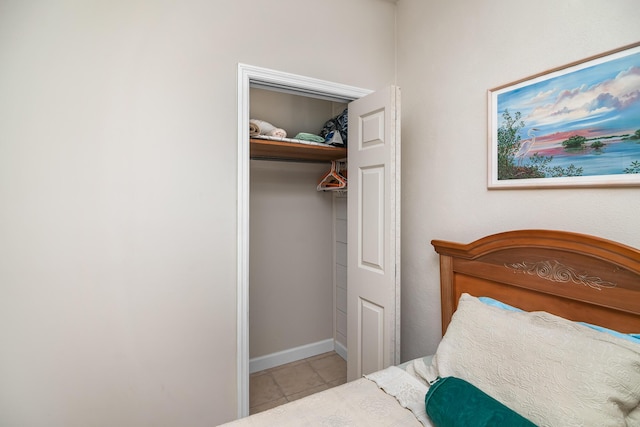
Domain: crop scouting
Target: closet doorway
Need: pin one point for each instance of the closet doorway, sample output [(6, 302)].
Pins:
[(373, 265)]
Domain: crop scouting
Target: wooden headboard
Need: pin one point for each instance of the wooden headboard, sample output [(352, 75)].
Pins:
[(576, 276)]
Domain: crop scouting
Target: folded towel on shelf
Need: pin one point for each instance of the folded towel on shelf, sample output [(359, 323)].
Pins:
[(309, 137), (254, 128), (280, 133), (260, 127)]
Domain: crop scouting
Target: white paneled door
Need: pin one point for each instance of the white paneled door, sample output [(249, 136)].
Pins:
[(373, 336)]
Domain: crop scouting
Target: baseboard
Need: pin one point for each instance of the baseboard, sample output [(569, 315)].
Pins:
[(291, 355), (341, 350)]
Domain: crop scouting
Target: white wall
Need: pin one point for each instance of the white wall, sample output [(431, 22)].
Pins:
[(117, 194), (450, 52)]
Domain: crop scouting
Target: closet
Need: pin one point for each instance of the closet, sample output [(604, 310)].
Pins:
[(317, 271), (297, 268)]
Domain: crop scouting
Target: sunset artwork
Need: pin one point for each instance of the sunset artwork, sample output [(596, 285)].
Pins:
[(575, 125)]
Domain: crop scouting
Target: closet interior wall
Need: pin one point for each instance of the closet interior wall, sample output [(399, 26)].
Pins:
[(340, 277), (297, 269)]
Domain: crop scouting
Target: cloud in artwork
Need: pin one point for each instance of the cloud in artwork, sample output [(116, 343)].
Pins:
[(542, 96), (589, 102)]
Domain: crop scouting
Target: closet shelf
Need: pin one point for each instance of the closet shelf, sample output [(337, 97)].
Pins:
[(281, 150)]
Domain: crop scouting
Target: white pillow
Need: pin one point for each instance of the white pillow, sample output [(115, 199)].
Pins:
[(548, 369)]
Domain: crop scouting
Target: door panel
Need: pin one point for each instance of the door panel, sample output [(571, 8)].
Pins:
[(372, 336), (372, 242), (373, 297), (372, 129)]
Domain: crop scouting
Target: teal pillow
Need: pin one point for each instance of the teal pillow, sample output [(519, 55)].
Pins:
[(453, 402), (635, 338)]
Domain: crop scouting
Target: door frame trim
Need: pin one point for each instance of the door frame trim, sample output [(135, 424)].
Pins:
[(252, 76)]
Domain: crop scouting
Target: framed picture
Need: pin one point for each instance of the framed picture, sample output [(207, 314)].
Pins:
[(577, 125)]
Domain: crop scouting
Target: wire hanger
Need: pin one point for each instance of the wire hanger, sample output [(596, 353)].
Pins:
[(332, 180)]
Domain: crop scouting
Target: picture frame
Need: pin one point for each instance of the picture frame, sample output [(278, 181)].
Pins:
[(573, 126)]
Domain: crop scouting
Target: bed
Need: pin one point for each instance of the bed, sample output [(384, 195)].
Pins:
[(539, 328)]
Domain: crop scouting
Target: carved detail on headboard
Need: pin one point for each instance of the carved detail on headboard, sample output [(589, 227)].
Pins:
[(555, 271)]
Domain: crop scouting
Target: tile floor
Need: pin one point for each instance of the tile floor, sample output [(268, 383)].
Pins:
[(282, 384)]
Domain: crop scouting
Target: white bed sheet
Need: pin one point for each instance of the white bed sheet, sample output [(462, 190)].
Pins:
[(363, 402)]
